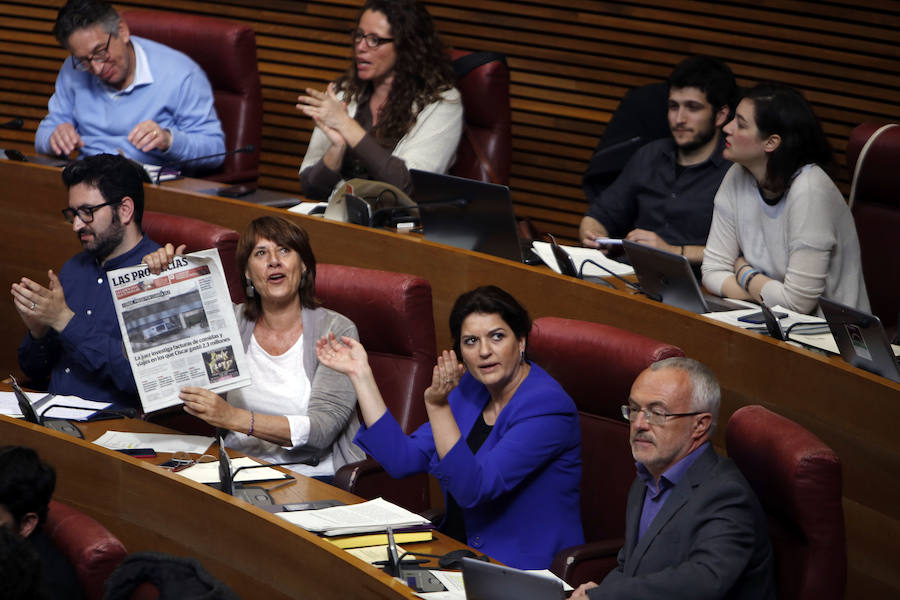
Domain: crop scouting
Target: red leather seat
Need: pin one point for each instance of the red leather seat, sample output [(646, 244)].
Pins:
[(393, 314), (196, 235), (876, 210), (92, 550), (798, 481), (226, 51), (485, 149), (596, 364)]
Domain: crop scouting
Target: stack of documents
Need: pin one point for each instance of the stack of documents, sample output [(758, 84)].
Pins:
[(367, 517)]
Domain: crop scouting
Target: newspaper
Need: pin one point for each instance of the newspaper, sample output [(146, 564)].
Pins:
[(179, 328)]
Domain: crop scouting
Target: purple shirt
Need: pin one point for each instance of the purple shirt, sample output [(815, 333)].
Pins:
[(655, 497)]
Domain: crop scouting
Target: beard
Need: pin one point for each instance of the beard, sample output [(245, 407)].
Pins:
[(104, 243), (701, 138)]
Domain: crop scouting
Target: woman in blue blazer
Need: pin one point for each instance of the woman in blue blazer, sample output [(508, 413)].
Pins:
[(503, 438)]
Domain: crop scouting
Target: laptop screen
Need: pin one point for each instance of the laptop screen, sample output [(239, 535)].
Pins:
[(467, 214), (861, 339)]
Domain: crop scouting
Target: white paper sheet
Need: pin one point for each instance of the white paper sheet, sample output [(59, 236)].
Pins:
[(579, 255), (209, 473), (161, 442)]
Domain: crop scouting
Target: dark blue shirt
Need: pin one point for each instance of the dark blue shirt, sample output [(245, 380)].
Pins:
[(651, 194), (87, 358), (655, 495)]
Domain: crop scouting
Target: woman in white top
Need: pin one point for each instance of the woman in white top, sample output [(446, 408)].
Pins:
[(296, 409), (395, 109), (781, 230)]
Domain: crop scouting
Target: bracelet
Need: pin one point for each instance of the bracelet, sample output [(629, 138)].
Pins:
[(742, 280), (741, 270), (750, 277), (252, 422)]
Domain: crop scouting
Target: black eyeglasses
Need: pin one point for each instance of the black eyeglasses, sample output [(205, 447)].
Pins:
[(372, 40), (85, 213), (654, 416), (100, 56)]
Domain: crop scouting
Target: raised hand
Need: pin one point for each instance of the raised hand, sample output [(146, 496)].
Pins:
[(159, 260), (444, 377)]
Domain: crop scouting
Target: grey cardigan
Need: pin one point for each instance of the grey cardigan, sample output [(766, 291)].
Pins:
[(332, 401)]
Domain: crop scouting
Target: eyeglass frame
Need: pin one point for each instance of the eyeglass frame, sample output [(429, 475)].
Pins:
[(648, 413), (356, 35), (69, 213), (100, 56)]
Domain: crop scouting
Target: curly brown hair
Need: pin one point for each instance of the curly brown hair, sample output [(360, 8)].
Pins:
[(421, 72)]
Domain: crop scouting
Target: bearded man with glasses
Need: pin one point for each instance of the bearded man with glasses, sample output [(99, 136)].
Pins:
[(121, 92), (693, 527), (73, 334)]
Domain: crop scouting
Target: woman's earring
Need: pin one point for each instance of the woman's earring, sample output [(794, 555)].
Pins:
[(251, 291)]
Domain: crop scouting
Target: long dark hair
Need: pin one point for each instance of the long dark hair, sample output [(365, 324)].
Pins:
[(783, 111), (421, 72)]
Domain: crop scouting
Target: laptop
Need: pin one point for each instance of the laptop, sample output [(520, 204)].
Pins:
[(861, 339), (467, 214), (668, 278), (487, 581)]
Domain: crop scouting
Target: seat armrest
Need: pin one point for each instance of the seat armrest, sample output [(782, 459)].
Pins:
[(587, 562)]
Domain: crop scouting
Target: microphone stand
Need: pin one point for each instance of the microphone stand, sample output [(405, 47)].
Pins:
[(176, 166)]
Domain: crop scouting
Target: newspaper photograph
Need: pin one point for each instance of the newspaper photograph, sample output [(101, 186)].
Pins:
[(179, 328)]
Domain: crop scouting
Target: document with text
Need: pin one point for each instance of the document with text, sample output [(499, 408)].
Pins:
[(179, 328)]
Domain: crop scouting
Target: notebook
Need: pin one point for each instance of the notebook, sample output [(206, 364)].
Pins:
[(861, 339), (668, 278), (467, 214), (487, 581)]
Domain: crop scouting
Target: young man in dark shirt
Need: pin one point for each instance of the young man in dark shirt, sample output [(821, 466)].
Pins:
[(664, 196)]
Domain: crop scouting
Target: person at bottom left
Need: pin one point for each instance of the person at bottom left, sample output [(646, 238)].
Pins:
[(296, 409), (26, 487)]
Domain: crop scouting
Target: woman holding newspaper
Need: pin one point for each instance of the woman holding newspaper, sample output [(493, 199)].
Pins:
[(503, 437), (297, 409), (781, 231)]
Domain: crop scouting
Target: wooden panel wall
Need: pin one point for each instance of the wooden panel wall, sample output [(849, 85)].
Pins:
[(570, 65)]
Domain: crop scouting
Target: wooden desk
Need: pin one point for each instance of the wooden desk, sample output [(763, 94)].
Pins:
[(855, 412), (256, 553)]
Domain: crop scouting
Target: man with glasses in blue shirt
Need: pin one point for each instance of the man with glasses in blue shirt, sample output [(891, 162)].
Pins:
[(118, 92), (73, 334), (694, 527)]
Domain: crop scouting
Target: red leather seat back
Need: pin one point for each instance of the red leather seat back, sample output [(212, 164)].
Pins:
[(198, 235), (487, 123), (226, 51), (92, 550), (608, 471), (393, 313), (876, 211), (798, 481), (595, 363)]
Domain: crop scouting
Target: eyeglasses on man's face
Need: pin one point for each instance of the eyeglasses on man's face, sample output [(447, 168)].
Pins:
[(654, 415), (372, 40), (85, 213), (100, 56)]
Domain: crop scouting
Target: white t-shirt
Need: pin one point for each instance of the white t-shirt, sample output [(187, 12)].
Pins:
[(280, 387)]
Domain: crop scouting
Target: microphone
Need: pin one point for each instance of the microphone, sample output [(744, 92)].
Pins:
[(16, 123), (175, 167), (634, 286), (252, 494)]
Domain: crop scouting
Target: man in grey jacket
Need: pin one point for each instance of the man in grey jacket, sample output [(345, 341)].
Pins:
[(694, 527)]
